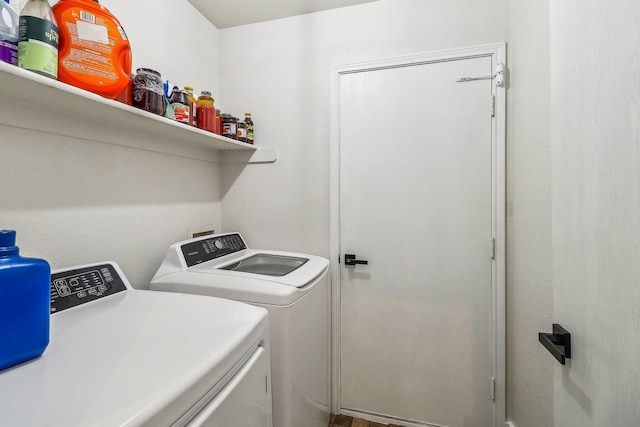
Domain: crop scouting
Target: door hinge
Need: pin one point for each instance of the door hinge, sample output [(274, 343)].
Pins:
[(493, 105), (493, 388), (492, 248)]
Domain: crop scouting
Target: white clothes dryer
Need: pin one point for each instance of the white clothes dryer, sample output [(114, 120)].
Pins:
[(293, 287), (124, 357)]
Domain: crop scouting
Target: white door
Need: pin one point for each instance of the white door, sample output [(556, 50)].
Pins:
[(416, 201)]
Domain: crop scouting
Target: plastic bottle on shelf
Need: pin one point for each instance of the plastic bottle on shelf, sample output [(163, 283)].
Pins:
[(8, 34), (38, 39), (168, 88), (94, 52), (25, 296), (249, 121), (192, 106)]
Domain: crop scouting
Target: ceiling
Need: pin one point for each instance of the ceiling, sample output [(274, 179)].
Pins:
[(231, 13)]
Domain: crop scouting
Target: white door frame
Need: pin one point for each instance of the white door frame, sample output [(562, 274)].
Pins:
[(497, 52)]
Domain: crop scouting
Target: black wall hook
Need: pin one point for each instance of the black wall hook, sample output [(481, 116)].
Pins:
[(558, 343)]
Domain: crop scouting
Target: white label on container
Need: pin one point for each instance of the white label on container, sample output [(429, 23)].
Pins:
[(86, 16), (92, 32)]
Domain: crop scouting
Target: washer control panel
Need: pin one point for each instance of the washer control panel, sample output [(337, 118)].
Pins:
[(212, 247), (70, 288)]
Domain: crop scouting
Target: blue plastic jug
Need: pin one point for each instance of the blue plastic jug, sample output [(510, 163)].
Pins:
[(25, 297)]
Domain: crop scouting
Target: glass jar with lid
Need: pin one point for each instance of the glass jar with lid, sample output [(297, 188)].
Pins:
[(206, 111), (229, 126), (147, 91), (242, 132)]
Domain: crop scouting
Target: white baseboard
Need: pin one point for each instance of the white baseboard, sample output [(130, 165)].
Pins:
[(389, 420), (385, 420)]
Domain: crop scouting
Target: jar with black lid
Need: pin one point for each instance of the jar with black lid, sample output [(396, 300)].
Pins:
[(179, 103), (242, 132), (229, 126), (147, 91)]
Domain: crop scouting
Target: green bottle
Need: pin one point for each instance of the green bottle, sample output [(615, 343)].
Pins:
[(38, 39)]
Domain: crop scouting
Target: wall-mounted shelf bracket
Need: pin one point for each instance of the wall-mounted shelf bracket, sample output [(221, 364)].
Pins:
[(260, 155), (558, 343)]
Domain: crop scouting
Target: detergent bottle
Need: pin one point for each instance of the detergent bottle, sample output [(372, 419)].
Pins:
[(25, 295), (38, 39), (8, 34), (94, 52)]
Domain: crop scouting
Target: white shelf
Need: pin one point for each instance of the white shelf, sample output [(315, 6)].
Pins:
[(33, 89)]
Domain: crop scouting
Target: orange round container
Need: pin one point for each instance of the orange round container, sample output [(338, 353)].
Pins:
[(94, 52)]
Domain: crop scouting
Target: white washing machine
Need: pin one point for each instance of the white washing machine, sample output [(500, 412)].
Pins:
[(124, 357), (293, 287)]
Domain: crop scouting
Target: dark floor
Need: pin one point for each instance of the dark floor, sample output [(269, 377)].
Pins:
[(345, 421)]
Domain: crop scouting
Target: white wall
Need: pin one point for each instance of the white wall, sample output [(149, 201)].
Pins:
[(280, 71), (84, 198), (595, 135), (529, 275)]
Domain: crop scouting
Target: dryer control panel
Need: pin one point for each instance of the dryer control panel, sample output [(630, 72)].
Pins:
[(212, 247), (80, 285)]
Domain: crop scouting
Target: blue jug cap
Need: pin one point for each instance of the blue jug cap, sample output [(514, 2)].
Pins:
[(8, 242)]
